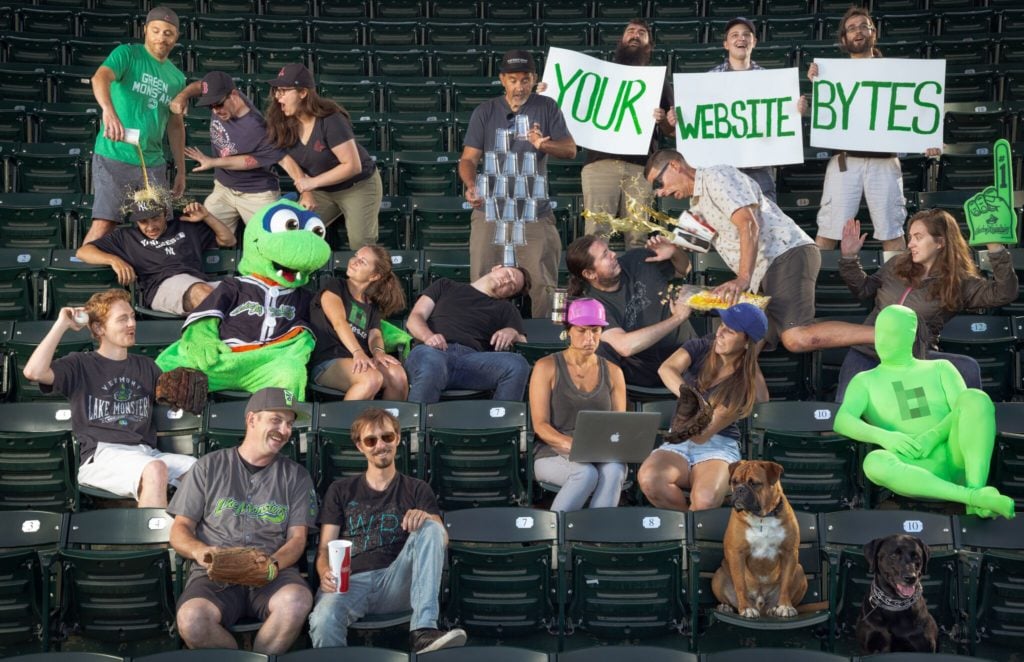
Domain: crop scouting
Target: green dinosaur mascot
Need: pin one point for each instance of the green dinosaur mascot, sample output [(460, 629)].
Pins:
[(252, 331), (936, 435)]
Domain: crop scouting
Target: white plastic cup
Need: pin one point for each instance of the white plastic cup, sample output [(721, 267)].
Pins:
[(500, 141), (81, 317), (339, 557), (131, 136), (522, 127)]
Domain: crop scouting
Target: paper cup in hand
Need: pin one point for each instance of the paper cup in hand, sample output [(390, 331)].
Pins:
[(131, 136), (339, 557)]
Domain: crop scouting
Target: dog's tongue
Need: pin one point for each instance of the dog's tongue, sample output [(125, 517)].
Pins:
[(904, 590)]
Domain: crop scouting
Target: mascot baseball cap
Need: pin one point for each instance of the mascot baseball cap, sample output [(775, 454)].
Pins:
[(293, 75), (276, 399), (586, 312), (517, 61), (216, 86), (745, 317), (165, 14)]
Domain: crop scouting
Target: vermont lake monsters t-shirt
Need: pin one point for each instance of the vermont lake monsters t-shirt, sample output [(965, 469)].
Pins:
[(111, 401), (372, 520)]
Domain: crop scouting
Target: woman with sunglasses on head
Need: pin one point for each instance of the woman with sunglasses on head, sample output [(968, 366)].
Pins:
[(722, 367), (561, 386), (333, 173), (349, 354)]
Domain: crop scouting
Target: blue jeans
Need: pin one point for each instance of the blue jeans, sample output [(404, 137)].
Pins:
[(410, 582), (431, 371), (857, 362)]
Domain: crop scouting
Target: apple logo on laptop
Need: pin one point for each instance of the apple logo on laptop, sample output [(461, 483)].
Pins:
[(614, 438)]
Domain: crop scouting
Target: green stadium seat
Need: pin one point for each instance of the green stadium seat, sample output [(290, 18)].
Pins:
[(450, 263), (336, 32), (67, 281), (509, 10), (66, 123), (788, 29), (501, 575), (104, 25), (37, 457), (410, 63), (452, 34), (468, 93), (565, 34), (248, 7), (1007, 472), (960, 51), (786, 7), (970, 122), (440, 222), (279, 30), (993, 557), (831, 295), (393, 33), (443, 9), (1016, 307), (418, 131), (369, 130), (619, 10), (50, 168), (503, 35), (33, 221), (674, 9), (89, 52), (805, 178), (32, 49), (344, 9), (153, 336), (340, 61), (336, 454), (675, 34), (73, 84), (427, 173), (970, 23), (907, 26), (963, 167), (296, 8), (29, 539), (991, 341), (399, 9), (696, 59), (23, 82), (415, 96), (227, 56), (565, 176), (55, 22), (19, 268), (223, 29), (268, 60), (543, 337), (975, 83), (14, 123), (458, 62), (357, 94)]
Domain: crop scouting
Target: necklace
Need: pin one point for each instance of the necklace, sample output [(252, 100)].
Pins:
[(881, 600)]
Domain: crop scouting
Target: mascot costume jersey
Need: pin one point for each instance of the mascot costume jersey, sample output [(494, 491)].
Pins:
[(253, 330), (935, 433)]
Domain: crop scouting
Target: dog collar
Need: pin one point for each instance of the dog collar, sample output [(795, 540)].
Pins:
[(881, 600)]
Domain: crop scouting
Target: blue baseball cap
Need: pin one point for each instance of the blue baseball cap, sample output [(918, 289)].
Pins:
[(745, 317)]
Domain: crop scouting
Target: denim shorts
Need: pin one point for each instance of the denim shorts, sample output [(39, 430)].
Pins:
[(718, 447), (320, 368)]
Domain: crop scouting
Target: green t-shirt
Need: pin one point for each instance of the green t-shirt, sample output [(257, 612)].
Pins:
[(141, 92)]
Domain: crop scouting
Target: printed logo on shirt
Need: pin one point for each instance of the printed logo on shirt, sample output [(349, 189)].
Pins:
[(154, 88), (251, 308), (635, 306), (369, 530), (121, 401), (358, 319), (220, 139), (166, 244), (319, 146), (270, 512)]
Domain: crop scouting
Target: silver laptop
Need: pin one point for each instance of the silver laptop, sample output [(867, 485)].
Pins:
[(614, 436)]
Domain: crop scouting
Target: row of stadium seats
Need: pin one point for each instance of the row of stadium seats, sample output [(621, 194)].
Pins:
[(607, 574)]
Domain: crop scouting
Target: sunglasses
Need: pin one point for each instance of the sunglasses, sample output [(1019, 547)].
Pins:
[(218, 106), (658, 183), (371, 440)]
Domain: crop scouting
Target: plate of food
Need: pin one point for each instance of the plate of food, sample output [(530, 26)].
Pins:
[(705, 299)]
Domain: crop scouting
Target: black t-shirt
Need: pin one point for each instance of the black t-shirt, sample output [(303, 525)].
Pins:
[(637, 159), (253, 313), (245, 135), (465, 315), (111, 401), (179, 250), (372, 520), (698, 349), (316, 157), (362, 317)]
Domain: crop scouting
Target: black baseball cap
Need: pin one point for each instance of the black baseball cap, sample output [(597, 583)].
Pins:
[(276, 399), (293, 75), (216, 86), (165, 14), (140, 211), (745, 21), (517, 61)]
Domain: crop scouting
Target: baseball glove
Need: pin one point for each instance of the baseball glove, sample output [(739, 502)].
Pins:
[(692, 415), (246, 566), (183, 388)]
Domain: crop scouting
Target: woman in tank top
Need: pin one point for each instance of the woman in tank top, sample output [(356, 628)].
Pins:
[(561, 386)]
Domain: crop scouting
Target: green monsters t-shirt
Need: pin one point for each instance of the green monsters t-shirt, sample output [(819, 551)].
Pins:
[(141, 92)]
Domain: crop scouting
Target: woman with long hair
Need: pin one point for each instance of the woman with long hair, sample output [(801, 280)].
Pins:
[(349, 354), (935, 277), (722, 367), (333, 173), (561, 386)]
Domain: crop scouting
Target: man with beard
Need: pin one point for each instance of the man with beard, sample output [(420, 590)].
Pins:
[(606, 174), (548, 136), (249, 496), (644, 327), (244, 181), (398, 545), (875, 175)]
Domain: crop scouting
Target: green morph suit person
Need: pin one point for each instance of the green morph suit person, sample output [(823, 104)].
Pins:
[(936, 434)]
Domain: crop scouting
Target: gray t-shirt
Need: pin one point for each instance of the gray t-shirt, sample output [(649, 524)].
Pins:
[(111, 401), (234, 507), (496, 114), (245, 135)]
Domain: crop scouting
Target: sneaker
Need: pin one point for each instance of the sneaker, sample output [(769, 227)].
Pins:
[(426, 640)]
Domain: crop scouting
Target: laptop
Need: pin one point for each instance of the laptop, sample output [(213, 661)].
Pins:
[(614, 436)]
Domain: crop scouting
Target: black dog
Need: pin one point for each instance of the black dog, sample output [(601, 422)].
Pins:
[(894, 616)]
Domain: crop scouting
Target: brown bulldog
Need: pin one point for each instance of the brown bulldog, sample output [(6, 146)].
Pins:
[(761, 573)]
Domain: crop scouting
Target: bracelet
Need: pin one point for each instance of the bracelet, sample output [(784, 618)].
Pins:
[(358, 349), (378, 348)]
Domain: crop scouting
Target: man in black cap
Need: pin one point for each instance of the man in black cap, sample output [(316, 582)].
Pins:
[(548, 136), (165, 254), (244, 181), (133, 88), (248, 496)]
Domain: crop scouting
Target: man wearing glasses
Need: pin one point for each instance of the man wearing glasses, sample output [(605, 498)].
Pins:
[(850, 174), (398, 545), (243, 156)]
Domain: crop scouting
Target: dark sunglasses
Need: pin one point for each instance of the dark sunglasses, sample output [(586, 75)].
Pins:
[(371, 440), (658, 183), (218, 106)]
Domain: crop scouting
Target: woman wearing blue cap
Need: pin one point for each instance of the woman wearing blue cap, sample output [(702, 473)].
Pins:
[(561, 386), (722, 367)]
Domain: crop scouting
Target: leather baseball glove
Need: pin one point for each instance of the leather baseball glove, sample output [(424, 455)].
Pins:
[(692, 415), (246, 566), (183, 388)]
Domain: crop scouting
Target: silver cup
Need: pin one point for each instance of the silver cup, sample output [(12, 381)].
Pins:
[(522, 127), (500, 141), (483, 185), (490, 210), (520, 188), (510, 166), (508, 256), (540, 188), (500, 189), (502, 233), (529, 164), (508, 211), (519, 233), (490, 163), (529, 210)]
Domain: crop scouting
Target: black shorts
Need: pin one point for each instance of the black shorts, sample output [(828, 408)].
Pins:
[(237, 602)]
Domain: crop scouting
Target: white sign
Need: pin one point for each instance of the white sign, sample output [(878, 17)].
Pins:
[(878, 105), (607, 106), (739, 118)]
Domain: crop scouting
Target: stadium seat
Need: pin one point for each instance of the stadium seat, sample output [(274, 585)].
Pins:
[(177, 431), (118, 598), (19, 269), (14, 128), (845, 535), (427, 173), (619, 10), (418, 131), (153, 336), (958, 51), (1007, 471), (1015, 307), (67, 281), (573, 35), (25, 83), (38, 466), (788, 654), (341, 60), (828, 362), (674, 9), (503, 35), (297, 8), (543, 337), (565, 176), (73, 84), (474, 450), (678, 34), (970, 122), (267, 60), (973, 83), (501, 575), (831, 295), (806, 178), (29, 539), (468, 93), (964, 167), (357, 94), (104, 25), (66, 123), (414, 96), (335, 33), (56, 22), (352, 653), (52, 168), (336, 454), (278, 30), (991, 341), (622, 572), (225, 428), (788, 29), (33, 221), (409, 65), (491, 653), (32, 49), (440, 222), (227, 56), (971, 23), (821, 467), (730, 8), (26, 337), (704, 558), (442, 9), (696, 59), (393, 33), (993, 557), (450, 263), (509, 10)]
